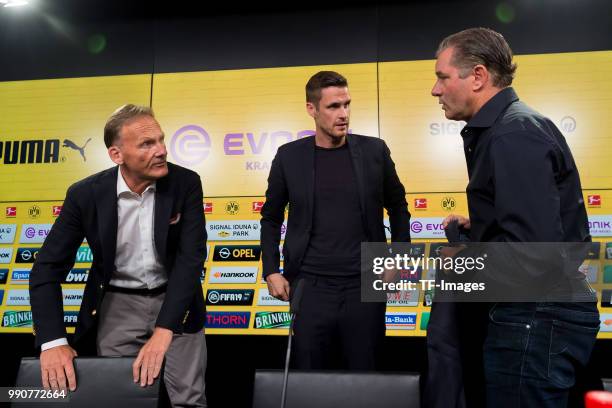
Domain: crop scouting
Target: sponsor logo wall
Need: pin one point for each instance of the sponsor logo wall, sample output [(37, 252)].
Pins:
[(238, 145)]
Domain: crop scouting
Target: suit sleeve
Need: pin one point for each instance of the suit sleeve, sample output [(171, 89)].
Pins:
[(395, 200), (54, 261), (184, 279), (272, 217)]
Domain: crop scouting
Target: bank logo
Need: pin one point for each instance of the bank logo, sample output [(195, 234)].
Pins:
[(420, 203), (568, 124), (232, 207), (265, 299), (34, 233), (34, 211), (233, 274), (71, 318), (20, 277), (594, 200), (272, 320), (56, 210), (237, 253), (7, 233), (18, 297), (208, 208), (6, 254), (3, 275), (190, 145), (12, 318), (10, 212), (77, 275), (26, 255), (230, 297), (227, 320), (448, 203), (257, 206), (400, 321)]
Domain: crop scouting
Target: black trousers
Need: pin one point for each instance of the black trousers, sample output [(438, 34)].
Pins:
[(334, 329)]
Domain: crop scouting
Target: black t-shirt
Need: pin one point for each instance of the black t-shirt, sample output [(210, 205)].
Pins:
[(337, 227)]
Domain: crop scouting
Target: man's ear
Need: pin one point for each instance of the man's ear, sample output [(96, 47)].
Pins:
[(481, 77), (311, 109), (115, 154)]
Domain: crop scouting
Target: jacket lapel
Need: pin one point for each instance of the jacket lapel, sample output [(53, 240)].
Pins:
[(357, 159), (309, 163), (105, 192), (163, 211)]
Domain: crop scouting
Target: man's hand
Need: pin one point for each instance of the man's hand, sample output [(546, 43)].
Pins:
[(56, 367), (461, 221), (278, 286), (148, 364)]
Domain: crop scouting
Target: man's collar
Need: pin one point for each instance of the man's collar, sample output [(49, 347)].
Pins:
[(487, 115), (122, 186)]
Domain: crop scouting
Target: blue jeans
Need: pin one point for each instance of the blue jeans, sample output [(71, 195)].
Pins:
[(532, 352)]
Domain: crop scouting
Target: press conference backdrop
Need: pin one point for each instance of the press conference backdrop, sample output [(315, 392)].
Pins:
[(227, 125)]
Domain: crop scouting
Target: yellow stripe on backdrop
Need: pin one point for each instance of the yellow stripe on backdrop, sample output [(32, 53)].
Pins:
[(47, 124), (572, 89)]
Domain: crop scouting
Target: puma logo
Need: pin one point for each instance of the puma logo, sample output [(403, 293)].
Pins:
[(69, 143)]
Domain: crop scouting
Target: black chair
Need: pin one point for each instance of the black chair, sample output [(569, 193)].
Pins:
[(334, 389), (101, 382)]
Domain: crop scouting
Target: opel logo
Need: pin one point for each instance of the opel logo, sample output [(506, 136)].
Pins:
[(224, 253)]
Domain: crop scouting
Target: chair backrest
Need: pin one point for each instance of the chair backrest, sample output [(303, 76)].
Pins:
[(336, 389), (607, 384), (101, 382)]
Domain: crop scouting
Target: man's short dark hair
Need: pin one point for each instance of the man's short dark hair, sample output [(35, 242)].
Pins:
[(119, 118), (483, 46), (320, 80)]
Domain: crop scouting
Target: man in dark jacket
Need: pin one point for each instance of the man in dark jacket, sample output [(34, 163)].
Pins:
[(523, 187), (337, 185), (144, 224)]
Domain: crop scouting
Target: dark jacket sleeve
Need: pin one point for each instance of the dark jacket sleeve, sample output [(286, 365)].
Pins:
[(54, 261), (395, 200), (272, 216), (184, 279)]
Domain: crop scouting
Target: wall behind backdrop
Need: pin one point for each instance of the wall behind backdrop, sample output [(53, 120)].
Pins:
[(228, 89)]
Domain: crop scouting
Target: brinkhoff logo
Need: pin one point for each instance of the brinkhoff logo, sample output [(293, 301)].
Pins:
[(37, 151)]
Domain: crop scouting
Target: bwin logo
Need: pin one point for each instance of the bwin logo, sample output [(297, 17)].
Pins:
[(70, 144)]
